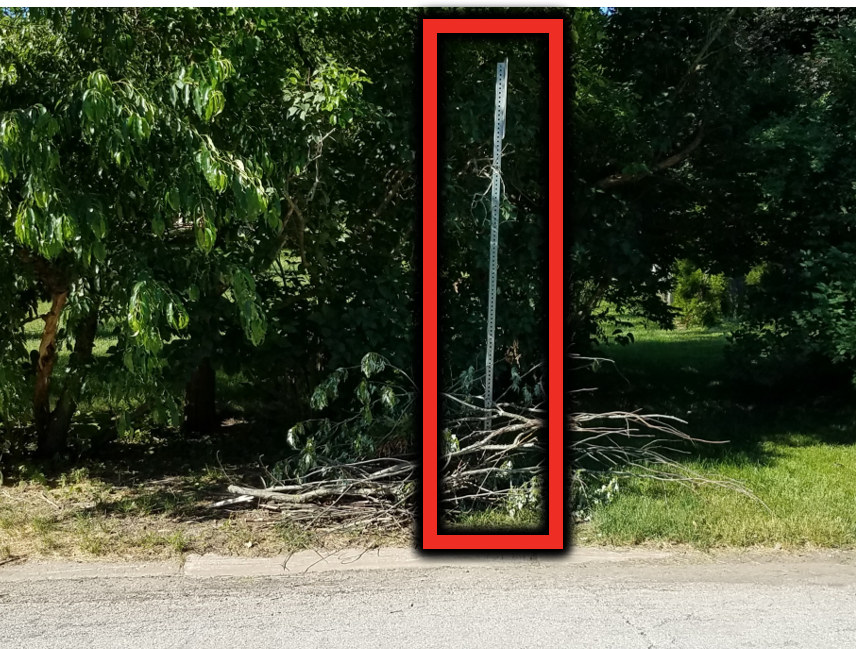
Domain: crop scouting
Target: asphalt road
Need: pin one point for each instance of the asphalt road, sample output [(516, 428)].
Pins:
[(682, 602)]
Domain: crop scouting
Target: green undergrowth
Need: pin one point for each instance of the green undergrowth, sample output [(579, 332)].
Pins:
[(793, 450)]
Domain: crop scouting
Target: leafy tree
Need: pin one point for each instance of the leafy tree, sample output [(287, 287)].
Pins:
[(720, 137), (660, 103), (154, 161), (802, 303), (348, 290)]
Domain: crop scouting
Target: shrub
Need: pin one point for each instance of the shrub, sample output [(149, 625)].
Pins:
[(703, 299)]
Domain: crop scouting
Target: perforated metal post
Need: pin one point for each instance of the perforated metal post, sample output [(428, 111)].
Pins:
[(496, 194)]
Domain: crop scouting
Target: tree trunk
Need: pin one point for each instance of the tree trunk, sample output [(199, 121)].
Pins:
[(61, 417), (200, 409), (52, 426), (44, 372)]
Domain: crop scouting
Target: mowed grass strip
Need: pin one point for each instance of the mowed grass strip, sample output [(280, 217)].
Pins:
[(797, 456), (85, 518), (808, 496)]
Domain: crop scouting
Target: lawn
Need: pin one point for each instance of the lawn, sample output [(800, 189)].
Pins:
[(794, 450), (147, 495), (150, 499)]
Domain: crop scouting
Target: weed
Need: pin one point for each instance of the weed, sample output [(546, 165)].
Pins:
[(178, 542), (153, 502), (498, 520), (150, 541), (43, 525), (93, 544), (74, 477), (296, 537), (29, 472), (9, 521)]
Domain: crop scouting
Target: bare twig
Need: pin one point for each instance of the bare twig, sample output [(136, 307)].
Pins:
[(485, 466), (232, 501)]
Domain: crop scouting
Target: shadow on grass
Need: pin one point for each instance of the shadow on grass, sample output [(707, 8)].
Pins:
[(167, 473), (687, 374)]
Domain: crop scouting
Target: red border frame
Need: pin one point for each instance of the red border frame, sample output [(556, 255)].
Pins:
[(431, 539)]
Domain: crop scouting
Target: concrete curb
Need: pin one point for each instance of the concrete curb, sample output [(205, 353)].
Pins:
[(60, 570), (308, 561)]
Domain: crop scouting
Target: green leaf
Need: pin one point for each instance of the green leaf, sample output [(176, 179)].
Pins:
[(158, 225), (363, 393), (318, 401), (99, 250), (387, 397), (372, 364), (177, 316), (123, 424), (173, 199), (293, 436), (206, 234)]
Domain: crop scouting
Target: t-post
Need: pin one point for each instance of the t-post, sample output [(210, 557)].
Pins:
[(496, 194)]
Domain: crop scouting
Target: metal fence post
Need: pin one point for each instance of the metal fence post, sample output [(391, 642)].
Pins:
[(496, 194)]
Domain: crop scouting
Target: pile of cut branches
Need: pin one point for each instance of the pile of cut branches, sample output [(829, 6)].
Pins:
[(366, 493), (488, 455)]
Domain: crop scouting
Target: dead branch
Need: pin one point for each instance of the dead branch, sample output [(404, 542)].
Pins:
[(485, 467), (617, 180), (232, 501), (307, 496)]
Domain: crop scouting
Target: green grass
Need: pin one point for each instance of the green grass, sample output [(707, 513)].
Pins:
[(42, 525), (295, 537), (795, 450), (92, 533), (178, 541), (497, 521), (155, 502), (810, 492)]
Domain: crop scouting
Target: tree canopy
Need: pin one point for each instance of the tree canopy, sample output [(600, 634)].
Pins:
[(154, 165), (214, 193)]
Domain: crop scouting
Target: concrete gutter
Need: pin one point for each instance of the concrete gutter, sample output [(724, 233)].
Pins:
[(206, 566)]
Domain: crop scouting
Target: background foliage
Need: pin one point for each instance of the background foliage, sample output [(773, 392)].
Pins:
[(197, 202)]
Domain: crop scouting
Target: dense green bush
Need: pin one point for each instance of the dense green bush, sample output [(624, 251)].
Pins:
[(702, 298)]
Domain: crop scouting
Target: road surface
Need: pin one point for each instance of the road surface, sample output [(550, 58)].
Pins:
[(596, 600)]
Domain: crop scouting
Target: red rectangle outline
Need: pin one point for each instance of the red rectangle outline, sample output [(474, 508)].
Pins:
[(431, 539)]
